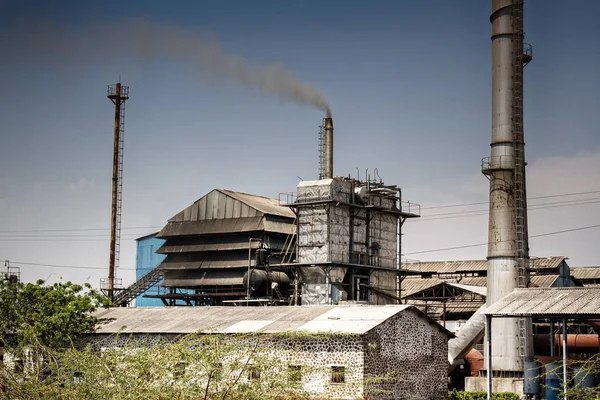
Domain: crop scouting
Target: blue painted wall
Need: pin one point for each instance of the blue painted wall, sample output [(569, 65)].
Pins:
[(146, 260)]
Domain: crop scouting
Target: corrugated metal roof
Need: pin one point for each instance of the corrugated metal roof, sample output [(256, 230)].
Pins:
[(482, 291), (355, 319), (549, 302), (585, 272), (410, 286), (197, 247), (413, 285), (266, 205), (473, 281), (212, 226), (544, 281), (454, 267)]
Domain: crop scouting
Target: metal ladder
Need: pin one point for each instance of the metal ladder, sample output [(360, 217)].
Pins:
[(519, 189), (289, 246), (119, 185), (322, 150)]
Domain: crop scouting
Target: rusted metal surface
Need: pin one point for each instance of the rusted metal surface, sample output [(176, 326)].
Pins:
[(118, 95)]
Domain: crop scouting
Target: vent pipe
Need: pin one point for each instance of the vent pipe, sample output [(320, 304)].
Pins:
[(328, 173)]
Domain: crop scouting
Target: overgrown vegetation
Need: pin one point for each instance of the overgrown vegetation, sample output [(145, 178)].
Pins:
[(581, 370), (456, 395), (194, 367)]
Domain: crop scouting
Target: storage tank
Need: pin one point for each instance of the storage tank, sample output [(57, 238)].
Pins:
[(532, 378), (554, 390), (584, 377), (262, 282)]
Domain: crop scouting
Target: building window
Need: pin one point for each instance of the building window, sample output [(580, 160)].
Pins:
[(253, 373), (179, 370), (338, 374), (294, 373), (19, 366)]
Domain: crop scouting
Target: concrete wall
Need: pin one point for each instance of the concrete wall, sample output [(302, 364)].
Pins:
[(479, 384)]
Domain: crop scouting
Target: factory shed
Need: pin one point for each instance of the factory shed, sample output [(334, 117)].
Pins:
[(364, 342), (563, 305), (209, 244), (587, 276)]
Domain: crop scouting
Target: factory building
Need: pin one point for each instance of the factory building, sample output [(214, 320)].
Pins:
[(209, 246), (341, 352), (349, 242)]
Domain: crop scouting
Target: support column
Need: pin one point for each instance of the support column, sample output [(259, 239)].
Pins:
[(488, 360), (564, 347)]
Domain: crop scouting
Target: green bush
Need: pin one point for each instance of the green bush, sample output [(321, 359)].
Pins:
[(456, 395)]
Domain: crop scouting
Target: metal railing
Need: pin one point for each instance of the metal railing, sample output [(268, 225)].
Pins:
[(410, 208), (494, 163)]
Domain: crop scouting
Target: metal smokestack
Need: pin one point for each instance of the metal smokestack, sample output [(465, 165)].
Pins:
[(328, 173), (508, 251)]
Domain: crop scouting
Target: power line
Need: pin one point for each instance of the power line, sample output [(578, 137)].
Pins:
[(485, 244), (78, 229), (473, 213), (96, 237), (405, 254), (529, 198), (61, 266)]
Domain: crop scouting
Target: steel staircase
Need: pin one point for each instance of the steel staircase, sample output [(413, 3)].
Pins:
[(123, 297)]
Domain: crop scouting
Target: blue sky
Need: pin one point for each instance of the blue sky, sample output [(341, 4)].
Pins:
[(408, 82)]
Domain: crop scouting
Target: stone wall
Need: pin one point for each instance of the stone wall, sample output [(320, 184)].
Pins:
[(406, 358)]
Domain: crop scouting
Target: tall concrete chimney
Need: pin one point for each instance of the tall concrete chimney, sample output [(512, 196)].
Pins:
[(328, 173), (508, 251)]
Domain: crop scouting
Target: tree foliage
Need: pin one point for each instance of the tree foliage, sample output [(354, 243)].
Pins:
[(194, 367), (48, 315)]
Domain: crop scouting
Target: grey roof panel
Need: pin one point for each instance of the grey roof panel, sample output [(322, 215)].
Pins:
[(583, 273), (263, 204), (572, 301), (454, 267), (355, 319), (212, 226)]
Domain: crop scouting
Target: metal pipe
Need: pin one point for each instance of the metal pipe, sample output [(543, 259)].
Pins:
[(488, 360), (328, 148), (249, 265), (564, 346), (552, 351)]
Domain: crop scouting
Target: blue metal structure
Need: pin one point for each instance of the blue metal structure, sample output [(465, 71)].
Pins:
[(146, 260)]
